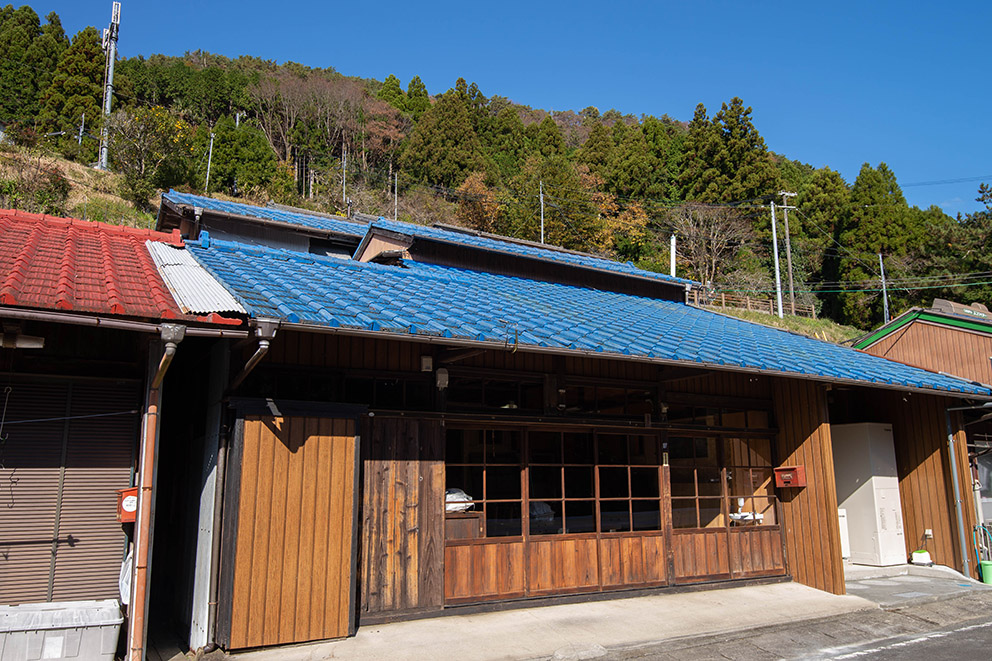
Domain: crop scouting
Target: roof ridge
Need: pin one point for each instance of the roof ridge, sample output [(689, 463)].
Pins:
[(174, 237)]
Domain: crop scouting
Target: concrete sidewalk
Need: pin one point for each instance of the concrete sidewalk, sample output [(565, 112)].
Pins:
[(578, 631), (907, 585)]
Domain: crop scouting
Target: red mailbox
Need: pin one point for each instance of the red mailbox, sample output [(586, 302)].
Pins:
[(790, 476), (127, 504)]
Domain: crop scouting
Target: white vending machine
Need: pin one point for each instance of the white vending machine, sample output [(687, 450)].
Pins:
[(868, 489)]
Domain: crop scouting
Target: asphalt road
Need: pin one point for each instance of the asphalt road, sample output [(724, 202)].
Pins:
[(956, 628)]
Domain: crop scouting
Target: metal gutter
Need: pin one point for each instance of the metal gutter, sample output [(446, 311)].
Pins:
[(266, 331), (120, 324), (508, 346)]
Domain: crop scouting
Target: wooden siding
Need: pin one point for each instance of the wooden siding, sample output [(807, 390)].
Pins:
[(293, 564), (919, 429), (939, 348), (756, 552), (809, 515), (701, 555), (403, 516), (478, 572)]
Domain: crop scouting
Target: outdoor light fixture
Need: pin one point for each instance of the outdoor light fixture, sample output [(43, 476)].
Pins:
[(426, 364), (442, 378)]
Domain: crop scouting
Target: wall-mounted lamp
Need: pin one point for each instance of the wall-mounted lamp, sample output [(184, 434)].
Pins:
[(442, 378)]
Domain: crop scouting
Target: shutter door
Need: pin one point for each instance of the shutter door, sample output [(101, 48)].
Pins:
[(30, 456), (59, 535)]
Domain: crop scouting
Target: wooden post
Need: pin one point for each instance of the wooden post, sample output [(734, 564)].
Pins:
[(723, 299), (747, 300)]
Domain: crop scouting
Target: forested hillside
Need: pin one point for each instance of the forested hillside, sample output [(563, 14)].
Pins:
[(611, 183)]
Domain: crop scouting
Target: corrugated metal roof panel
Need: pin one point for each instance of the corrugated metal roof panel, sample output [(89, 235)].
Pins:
[(426, 299), (193, 288)]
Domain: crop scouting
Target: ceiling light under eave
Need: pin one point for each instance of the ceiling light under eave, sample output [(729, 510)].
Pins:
[(18, 341)]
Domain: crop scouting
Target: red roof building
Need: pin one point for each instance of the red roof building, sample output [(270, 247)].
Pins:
[(74, 265)]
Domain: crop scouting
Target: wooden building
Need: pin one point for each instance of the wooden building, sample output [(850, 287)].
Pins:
[(447, 420), (953, 339)]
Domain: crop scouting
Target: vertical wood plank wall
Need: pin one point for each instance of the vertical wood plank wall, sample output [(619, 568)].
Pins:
[(919, 428), (403, 516), (293, 561), (809, 515), (939, 348)]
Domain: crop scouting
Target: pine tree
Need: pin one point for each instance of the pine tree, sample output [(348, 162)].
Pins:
[(417, 99), (392, 93), (549, 140), (632, 166), (18, 88), (505, 141), (444, 148), (77, 86), (597, 151)]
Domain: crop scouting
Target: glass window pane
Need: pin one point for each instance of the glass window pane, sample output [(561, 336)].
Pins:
[(612, 449), (502, 395), (579, 449), (579, 482), (545, 517), (614, 516), (757, 420), (503, 447), (647, 514), (610, 401), (644, 451), (503, 519), (679, 414), (680, 450), (502, 482), (764, 509), (579, 516), (711, 513), (709, 481), (644, 483), (640, 402), (684, 513), (545, 481), (683, 481), (613, 483), (532, 396), (545, 447), (463, 446), (465, 392), (466, 478), (706, 454)]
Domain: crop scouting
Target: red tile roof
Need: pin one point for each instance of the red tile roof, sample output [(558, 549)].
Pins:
[(68, 264)]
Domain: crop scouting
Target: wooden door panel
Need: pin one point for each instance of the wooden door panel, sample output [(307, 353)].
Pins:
[(701, 555), (293, 570), (756, 552)]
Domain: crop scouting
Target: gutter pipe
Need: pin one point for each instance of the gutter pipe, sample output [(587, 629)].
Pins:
[(958, 511), (122, 324), (265, 331), (172, 335), (215, 541)]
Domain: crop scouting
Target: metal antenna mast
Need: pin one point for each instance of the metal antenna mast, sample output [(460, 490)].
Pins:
[(110, 48), (542, 211), (778, 277), (885, 293)]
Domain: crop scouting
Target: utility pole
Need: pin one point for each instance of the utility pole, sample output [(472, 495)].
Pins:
[(788, 249), (542, 211), (82, 126), (778, 276), (344, 176), (210, 156), (237, 119), (396, 195), (110, 48), (885, 293), (671, 256)]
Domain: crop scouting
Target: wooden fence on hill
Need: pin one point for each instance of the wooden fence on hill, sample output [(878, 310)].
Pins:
[(766, 305)]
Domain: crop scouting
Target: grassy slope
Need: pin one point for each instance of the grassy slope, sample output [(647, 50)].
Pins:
[(823, 329)]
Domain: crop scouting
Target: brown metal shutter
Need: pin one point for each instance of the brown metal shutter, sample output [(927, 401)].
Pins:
[(98, 463), (30, 455), (59, 535)]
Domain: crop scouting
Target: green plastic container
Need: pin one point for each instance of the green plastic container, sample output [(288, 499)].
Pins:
[(986, 571)]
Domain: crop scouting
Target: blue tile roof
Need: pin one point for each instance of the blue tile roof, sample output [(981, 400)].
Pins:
[(550, 253), (292, 217), (425, 299), (463, 238)]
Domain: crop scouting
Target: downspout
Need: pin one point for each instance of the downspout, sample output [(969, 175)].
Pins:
[(958, 511), (265, 331), (172, 335)]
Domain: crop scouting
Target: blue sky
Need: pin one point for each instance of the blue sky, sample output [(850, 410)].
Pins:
[(836, 84)]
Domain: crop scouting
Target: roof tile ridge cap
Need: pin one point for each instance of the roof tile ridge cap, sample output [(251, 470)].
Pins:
[(20, 214), (10, 285), (65, 289), (167, 306), (110, 275)]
